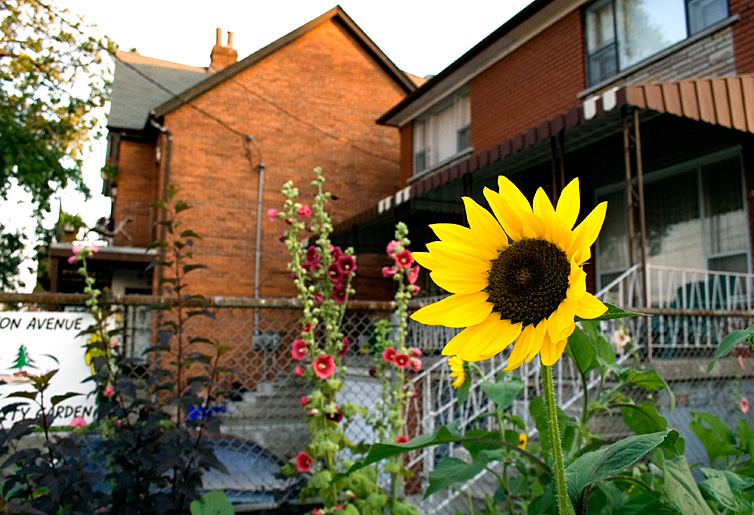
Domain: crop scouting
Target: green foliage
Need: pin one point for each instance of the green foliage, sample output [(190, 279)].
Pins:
[(12, 250), (212, 503), (730, 341)]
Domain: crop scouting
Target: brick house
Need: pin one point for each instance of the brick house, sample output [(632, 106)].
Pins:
[(616, 93), (309, 99)]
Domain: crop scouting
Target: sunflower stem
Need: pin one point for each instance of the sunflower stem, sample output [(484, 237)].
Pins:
[(557, 449)]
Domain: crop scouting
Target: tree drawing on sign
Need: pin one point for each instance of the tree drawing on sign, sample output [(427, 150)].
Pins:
[(22, 359)]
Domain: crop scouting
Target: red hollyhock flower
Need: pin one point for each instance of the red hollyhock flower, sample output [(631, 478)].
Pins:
[(393, 247), (346, 264), (306, 328), (299, 349), (346, 344), (402, 360), (388, 271), (298, 371), (413, 274), (312, 258), (334, 273), (335, 417), (304, 400), (339, 294), (404, 259), (304, 462), (336, 252), (324, 366), (389, 354), (416, 364), (401, 439)]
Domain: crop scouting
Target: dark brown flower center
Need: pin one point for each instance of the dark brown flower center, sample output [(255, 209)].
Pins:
[(528, 281)]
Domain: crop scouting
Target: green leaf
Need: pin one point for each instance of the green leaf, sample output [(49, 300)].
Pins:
[(605, 351), (651, 380), (503, 394), (736, 481), (57, 399), (730, 341), (716, 436), (179, 206), (582, 351), (683, 494), (463, 390), (643, 418), (718, 490), (609, 461), (615, 312), (188, 233), (188, 268), (23, 395), (451, 471), (212, 503), (475, 448)]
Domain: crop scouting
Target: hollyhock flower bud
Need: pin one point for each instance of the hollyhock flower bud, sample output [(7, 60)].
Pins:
[(416, 364), (299, 349), (393, 247), (305, 211), (401, 439), (272, 215), (415, 352), (72, 259), (372, 372), (414, 289), (388, 271), (109, 390), (744, 405), (298, 371), (389, 354), (404, 259), (324, 366), (402, 360), (413, 274), (304, 400), (741, 362), (281, 238), (318, 297), (303, 462)]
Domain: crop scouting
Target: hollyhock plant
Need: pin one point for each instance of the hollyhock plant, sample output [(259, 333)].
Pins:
[(324, 366), (299, 350)]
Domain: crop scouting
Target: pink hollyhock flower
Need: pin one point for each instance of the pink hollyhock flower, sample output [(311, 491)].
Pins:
[(389, 354), (94, 248), (78, 422), (346, 344), (334, 273), (404, 259), (72, 259), (303, 462), (414, 289), (299, 349), (393, 247), (272, 215), (413, 274), (76, 248), (741, 362), (339, 294), (324, 366), (114, 343), (401, 439), (305, 211), (109, 390), (304, 400), (388, 271), (298, 371), (416, 364), (338, 507), (744, 405), (346, 264), (402, 360), (415, 352), (316, 511)]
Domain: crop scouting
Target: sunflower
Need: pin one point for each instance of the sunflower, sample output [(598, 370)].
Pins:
[(457, 371), (515, 276)]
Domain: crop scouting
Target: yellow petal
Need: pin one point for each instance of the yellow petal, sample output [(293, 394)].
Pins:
[(542, 204), (521, 348), (465, 239), (512, 194), (452, 256), (507, 332), (538, 340), (551, 351), (471, 336), (569, 203), (484, 224), (585, 234), (426, 260), (590, 307), (507, 216), (576, 282), (458, 310), (459, 281)]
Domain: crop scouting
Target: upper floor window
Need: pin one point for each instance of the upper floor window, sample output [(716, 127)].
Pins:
[(621, 33), (443, 133)]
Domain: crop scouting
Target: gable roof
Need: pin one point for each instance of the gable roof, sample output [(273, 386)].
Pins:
[(336, 13), (136, 87)]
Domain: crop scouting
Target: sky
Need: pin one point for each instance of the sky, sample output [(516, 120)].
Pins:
[(421, 37)]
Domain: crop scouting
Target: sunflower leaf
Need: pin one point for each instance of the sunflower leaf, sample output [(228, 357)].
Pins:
[(735, 337), (614, 311), (582, 351)]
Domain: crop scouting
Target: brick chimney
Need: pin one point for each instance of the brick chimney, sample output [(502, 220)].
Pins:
[(222, 56)]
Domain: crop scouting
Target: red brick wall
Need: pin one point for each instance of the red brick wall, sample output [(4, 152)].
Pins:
[(407, 153), (532, 84), (743, 35), (136, 192), (312, 103)]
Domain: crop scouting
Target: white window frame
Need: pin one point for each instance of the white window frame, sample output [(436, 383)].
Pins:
[(423, 151)]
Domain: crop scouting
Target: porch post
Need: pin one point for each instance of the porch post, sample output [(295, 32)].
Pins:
[(629, 186), (642, 211)]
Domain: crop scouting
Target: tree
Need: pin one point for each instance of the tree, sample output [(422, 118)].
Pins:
[(54, 73), (12, 248)]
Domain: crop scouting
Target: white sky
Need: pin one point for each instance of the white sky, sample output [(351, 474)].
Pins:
[(420, 36)]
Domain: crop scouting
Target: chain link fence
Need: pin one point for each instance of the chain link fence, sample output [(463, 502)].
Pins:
[(263, 423)]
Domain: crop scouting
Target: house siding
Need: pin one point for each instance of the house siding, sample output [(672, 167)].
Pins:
[(312, 103), (743, 35), (136, 193)]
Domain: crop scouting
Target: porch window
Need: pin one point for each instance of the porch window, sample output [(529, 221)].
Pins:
[(442, 134), (695, 215), (622, 33)]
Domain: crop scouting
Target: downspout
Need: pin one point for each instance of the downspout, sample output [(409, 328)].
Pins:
[(258, 243), (166, 179)]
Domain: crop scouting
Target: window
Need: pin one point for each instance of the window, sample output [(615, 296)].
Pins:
[(442, 134), (621, 33)]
